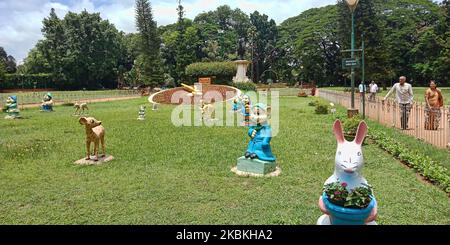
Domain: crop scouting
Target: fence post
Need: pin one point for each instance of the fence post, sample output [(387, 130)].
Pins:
[(448, 126)]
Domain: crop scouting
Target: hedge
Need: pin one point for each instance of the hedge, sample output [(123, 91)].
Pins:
[(421, 163), (223, 72), (27, 81), (248, 86)]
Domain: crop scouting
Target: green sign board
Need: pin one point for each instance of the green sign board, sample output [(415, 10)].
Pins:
[(350, 63)]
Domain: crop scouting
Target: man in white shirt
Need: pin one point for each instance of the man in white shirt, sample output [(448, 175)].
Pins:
[(404, 97), (373, 88), (362, 89)]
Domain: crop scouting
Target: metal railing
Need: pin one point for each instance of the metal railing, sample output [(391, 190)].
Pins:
[(419, 123)]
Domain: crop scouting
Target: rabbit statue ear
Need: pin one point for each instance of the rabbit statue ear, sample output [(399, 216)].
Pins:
[(337, 129), (361, 133)]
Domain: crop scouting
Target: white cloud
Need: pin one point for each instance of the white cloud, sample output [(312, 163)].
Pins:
[(21, 20)]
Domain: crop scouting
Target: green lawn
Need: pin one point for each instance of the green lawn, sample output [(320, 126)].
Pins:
[(419, 93), (168, 175)]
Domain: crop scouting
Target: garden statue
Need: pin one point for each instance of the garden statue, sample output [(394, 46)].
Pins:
[(208, 110), (47, 103), (241, 48), (95, 133), (141, 116), (347, 181), (236, 104), (11, 108), (333, 108), (245, 110), (258, 158), (80, 108)]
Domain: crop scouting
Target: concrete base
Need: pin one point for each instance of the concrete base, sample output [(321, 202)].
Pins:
[(352, 112), (100, 161), (275, 173), (241, 74), (255, 167), (325, 220)]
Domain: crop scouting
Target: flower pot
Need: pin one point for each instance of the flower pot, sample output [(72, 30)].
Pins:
[(348, 216)]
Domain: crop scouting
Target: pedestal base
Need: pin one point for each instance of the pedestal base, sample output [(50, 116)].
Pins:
[(352, 112), (256, 168), (13, 115), (100, 161), (325, 220)]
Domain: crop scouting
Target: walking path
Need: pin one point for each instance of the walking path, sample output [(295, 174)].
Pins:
[(388, 113)]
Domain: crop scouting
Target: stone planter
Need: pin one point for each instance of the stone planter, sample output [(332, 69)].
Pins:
[(347, 216)]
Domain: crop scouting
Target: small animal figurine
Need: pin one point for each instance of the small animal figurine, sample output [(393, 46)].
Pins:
[(260, 133), (349, 159), (141, 116), (80, 108), (95, 132), (155, 107), (208, 110), (11, 108), (47, 103)]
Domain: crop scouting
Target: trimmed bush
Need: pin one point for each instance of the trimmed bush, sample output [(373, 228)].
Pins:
[(245, 86), (27, 81), (313, 103), (222, 72), (322, 108)]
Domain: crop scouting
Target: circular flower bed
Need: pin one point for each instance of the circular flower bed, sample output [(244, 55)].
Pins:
[(165, 97)]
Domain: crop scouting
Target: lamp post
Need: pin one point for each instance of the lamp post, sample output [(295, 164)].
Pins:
[(352, 5)]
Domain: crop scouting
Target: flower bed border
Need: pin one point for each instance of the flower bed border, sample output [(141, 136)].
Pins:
[(424, 165)]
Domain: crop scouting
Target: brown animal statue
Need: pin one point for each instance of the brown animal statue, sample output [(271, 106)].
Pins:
[(95, 132), (80, 107)]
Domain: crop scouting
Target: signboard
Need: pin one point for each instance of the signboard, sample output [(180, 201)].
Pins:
[(350, 63), (204, 80)]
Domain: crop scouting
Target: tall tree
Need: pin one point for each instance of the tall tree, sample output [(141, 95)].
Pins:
[(53, 46), (367, 23), (150, 43), (264, 46)]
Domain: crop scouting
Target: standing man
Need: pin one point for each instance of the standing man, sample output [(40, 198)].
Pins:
[(404, 97), (362, 90), (373, 88)]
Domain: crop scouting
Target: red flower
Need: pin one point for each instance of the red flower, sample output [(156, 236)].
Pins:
[(344, 184)]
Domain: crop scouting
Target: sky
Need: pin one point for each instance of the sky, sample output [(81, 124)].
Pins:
[(21, 20)]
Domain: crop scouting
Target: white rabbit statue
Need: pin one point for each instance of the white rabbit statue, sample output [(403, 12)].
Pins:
[(349, 162), (349, 159)]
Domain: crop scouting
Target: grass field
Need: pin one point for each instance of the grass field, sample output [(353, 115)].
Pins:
[(164, 174), (419, 93)]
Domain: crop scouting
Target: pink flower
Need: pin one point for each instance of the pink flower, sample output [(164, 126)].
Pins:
[(337, 193), (344, 184)]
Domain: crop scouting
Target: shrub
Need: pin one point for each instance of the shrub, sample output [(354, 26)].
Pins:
[(245, 86), (322, 108), (313, 103), (350, 126), (222, 72), (423, 164)]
